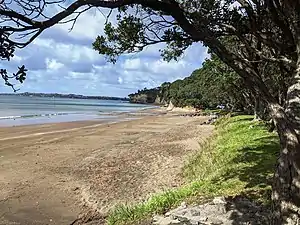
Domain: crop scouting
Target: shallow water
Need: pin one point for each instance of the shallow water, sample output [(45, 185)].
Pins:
[(24, 110)]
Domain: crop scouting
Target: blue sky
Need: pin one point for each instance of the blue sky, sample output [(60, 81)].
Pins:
[(64, 62)]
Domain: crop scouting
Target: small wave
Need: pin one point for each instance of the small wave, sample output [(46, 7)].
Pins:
[(32, 116)]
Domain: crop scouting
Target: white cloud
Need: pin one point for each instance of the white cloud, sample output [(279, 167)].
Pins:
[(120, 80), (88, 26), (17, 58), (132, 64), (160, 66), (53, 64), (62, 61), (71, 52)]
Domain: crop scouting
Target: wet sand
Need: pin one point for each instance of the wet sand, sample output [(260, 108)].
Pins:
[(51, 173)]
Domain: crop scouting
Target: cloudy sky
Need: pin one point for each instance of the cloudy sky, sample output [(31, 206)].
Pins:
[(64, 62)]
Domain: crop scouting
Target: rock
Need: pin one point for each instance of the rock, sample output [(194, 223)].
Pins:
[(183, 205), (170, 106), (168, 213), (195, 212), (219, 200), (216, 221), (195, 220), (181, 218), (219, 211), (175, 222), (157, 218), (160, 220)]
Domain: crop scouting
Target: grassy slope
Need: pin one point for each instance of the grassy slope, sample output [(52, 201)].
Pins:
[(238, 160)]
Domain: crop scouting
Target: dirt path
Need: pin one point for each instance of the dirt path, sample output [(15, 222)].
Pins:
[(49, 173)]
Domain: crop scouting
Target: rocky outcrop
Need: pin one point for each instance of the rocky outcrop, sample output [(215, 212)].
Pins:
[(148, 96), (221, 211), (147, 99), (141, 99), (170, 106), (160, 101)]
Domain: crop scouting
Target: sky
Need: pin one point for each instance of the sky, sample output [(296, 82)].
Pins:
[(61, 61)]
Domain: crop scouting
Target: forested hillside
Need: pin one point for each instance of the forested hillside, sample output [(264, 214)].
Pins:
[(146, 96), (212, 85)]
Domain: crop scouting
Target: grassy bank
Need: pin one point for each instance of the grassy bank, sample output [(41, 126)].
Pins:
[(238, 160)]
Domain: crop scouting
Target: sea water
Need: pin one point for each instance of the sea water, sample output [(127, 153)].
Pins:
[(24, 110)]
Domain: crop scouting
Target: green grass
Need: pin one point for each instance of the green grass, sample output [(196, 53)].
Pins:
[(238, 160)]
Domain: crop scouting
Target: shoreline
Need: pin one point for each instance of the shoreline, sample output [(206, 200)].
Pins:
[(17, 121), (35, 130)]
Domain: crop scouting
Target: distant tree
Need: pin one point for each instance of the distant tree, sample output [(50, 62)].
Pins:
[(164, 91), (145, 95), (212, 85)]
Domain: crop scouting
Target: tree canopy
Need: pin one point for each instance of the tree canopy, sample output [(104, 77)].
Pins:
[(212, 85), (145, 96), (258, 39)]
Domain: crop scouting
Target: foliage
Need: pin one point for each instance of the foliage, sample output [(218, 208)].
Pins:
[(7, 50), (19, 76), (149, 96), (144, 96), (238, 160), (240, 33), (212, 85), (258, 39)]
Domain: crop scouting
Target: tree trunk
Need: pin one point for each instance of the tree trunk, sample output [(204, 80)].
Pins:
[(286, 183), (256, 108), (260, 112)]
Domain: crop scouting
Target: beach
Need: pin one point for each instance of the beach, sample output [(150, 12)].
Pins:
[(51, 173)]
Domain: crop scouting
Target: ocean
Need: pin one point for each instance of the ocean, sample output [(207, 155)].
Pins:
[(24, 110)]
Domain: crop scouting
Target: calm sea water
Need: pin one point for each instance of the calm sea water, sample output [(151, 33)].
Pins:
[(21, 110)]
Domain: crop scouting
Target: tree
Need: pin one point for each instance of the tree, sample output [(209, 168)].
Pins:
[(262, 31), (145, 96), (164, 92), (221, 85), (207, 87), (7, 49)]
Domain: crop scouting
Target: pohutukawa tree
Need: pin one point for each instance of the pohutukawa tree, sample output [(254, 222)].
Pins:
[(261, 32)]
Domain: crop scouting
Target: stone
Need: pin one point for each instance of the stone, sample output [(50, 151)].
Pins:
[(195, 220), (183, 205), (195, 212), (181, 218), (157, 218), (220, 211), (219, 200), (160, 220), (174, 211), (168, 213), (216, 221), (175, 222)]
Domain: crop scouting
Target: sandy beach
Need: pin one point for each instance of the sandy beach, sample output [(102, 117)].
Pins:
[(51, 173)]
